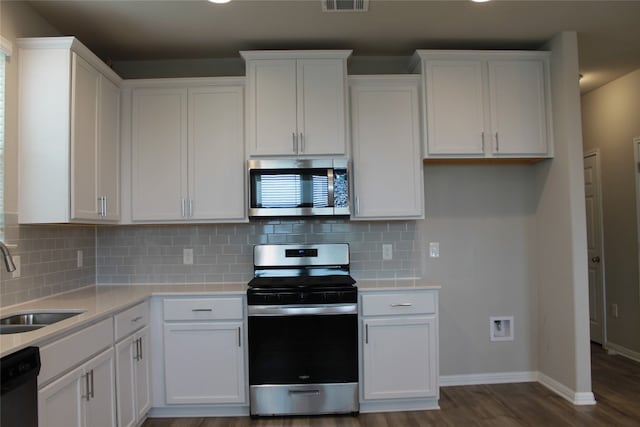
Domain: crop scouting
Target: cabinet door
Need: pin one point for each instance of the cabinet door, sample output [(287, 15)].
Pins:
[(84, 128), (125, 382), (159, 154), (100, 409), (109, 149), (518, 107), (204, 362), (387, 165), (455, 109), (400, 357), (272, 106), (60, 403), (216, 153), (321, 106), (142, 366)]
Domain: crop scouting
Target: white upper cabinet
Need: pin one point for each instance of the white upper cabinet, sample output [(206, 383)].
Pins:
[(296, 103), (68, 150), (486, 104), (187, 152), (387, 166)]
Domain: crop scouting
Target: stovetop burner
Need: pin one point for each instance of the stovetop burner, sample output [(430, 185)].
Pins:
[(302, 281)]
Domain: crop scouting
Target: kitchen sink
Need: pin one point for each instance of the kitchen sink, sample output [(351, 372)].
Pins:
[(30, 321)]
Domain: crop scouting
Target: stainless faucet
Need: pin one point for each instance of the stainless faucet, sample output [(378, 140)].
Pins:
[(8, 261)]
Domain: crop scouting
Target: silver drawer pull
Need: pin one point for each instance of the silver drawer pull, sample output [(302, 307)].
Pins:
[(314, 392), (136, 319), (202, 309), (403, 304)]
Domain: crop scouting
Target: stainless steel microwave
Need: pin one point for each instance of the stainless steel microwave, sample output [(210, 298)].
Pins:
[(293, 187)]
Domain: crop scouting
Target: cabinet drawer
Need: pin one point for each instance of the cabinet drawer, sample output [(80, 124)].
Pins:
[(395, 303), (73, 349), (203, 308), (131, 320)]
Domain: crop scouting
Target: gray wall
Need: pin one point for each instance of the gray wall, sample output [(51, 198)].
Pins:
[(611, 119), (47, 253), (562, 283), (484, 218)]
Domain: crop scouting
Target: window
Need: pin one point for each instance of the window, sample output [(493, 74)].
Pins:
[(5, 51)]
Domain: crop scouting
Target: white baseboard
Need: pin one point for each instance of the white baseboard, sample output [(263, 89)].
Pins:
[(577, 398), (622, 351), (494, 378)]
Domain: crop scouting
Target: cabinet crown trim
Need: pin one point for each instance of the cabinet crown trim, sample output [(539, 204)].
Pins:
[(248, 55)]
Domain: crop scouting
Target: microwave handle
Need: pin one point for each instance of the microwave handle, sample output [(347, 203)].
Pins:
[(330, 187)]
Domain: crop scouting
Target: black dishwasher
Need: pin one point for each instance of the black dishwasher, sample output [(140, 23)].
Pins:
[(19, 388)]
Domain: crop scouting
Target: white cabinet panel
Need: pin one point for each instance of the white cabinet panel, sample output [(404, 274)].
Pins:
[(204, 362), (159, 155), (518, 109), (455, 107), (84, 397), (188, 153), (487, 104), (296, 103), (399, 358), (68, 144), (132, 378), (387, 165)]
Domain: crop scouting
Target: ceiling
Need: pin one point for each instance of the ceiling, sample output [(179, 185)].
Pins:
[(120, 30)]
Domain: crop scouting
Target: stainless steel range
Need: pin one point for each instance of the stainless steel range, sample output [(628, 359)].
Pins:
[(303, 331)]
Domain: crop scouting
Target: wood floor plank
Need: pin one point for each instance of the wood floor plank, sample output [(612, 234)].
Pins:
[(616, 386)]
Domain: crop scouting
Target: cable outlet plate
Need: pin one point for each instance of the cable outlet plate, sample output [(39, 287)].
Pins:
[(501, 328)]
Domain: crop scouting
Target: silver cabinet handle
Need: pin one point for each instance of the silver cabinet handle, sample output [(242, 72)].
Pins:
[(137, 355), (402, 304), (87, 396), (183, 206), (136, 319), (201, 309), (100, 206), (357, 205), (239, 337), (483, 141), (366, 333), (92, 387), (294, 145), (141, 352), (104, 201), (497, 143), (190, 208), (301, 142), (314, 391)]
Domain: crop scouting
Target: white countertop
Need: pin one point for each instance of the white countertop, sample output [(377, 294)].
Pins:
[(101, 301)]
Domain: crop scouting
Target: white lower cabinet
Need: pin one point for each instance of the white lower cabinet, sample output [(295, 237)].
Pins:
[(84, 397), (399, 348), (204, 362), (133, 364), (204, 345)]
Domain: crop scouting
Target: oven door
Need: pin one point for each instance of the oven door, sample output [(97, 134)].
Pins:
[(303, 360)]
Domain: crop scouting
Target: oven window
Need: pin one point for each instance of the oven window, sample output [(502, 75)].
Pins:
[(281, 189), (303, 349)]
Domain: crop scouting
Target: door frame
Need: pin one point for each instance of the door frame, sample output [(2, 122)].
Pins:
[(636, 153), (596, 153)]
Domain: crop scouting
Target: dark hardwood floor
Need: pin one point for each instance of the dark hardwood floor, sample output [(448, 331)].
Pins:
[(616, 385)]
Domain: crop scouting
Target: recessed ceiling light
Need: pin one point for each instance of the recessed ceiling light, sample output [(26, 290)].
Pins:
[(480, 1), (219, 1)]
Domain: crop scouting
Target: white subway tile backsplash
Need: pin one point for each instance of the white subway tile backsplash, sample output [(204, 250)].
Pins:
[(224, 252)]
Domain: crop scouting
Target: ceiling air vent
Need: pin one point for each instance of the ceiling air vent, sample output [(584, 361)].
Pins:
[(345, 5)]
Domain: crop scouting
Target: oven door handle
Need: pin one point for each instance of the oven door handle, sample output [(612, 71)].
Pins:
[(302, 310)]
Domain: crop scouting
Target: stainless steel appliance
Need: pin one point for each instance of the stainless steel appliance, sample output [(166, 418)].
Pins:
[(303, 331), (19, 388), (292, 187)]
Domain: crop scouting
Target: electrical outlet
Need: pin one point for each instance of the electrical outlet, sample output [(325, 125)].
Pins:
[(80, 257), (387, 251), (187, 256), (434, 249), (18, 271)]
